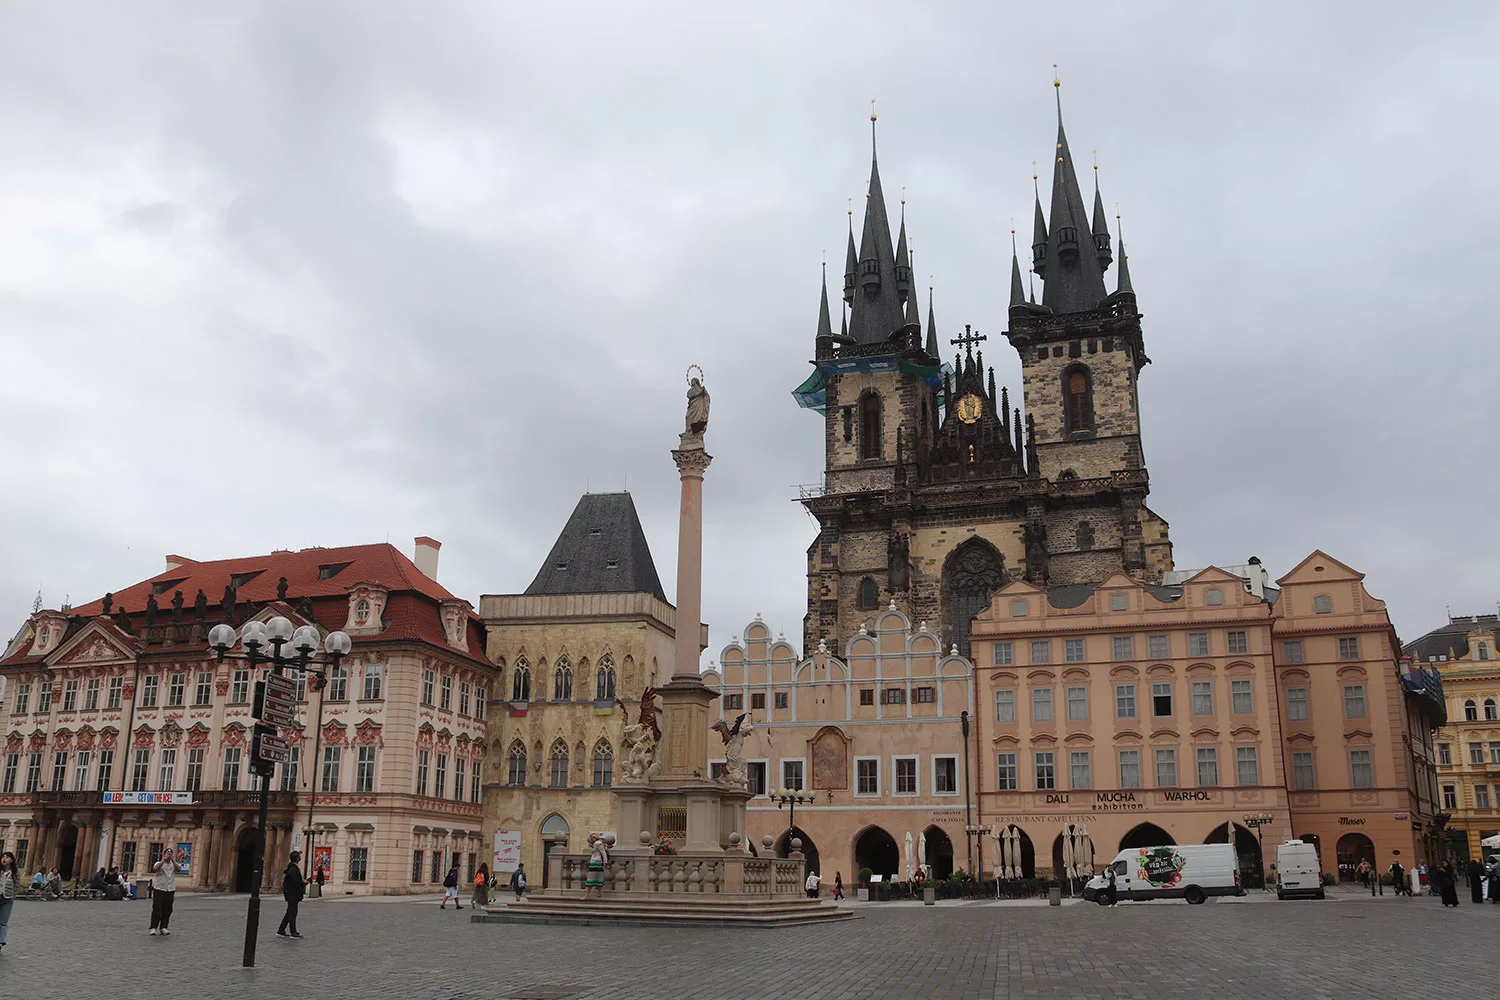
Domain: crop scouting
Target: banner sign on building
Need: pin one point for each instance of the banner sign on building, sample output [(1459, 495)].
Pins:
[(323, 862), (148, 798), (507, 851)]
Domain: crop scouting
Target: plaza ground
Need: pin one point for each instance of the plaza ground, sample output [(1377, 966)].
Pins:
[(1347, 946)]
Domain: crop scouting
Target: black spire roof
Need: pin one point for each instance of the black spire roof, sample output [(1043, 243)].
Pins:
[(876, 312), (932, 344), (1074, 276), (602, 550), (825, 324)]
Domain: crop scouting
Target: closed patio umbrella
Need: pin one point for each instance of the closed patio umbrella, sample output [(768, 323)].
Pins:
[(1069, 860), (1083, 852), (1015, 846), (910, 867), (922, 850)]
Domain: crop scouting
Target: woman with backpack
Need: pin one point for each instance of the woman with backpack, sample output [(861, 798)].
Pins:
[(481, 887), (450, 889)]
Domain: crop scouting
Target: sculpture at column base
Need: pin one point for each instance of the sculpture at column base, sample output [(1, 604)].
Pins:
[(736, 774), (643, 739)]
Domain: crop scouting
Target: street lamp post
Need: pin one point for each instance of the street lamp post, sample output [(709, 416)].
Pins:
[(978, 831), (1256, 821), (291, 649), (791, 797)]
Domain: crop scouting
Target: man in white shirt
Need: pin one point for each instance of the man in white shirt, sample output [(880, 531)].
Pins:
[(812, 885)]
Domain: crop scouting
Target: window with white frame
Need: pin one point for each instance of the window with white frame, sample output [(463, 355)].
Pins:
[(1130, 769), (1005, 772), (1046, 770), (1296, 704), (1450, 796), (139, 769), (1078, 703), (1041, 651), (945, 775), (176, 690), (91, 694), (1004, 654), (465, 694), (791, 774), (1291, 651), (1166, 768), (166, 770), (290, 771), (34, 772), (1361, 769), (230, 780), (460, 777), (445, 696), (1303, 776), (333, 760), (1080, 769), (906, 775), (81, 762), (1237, 641), (755, 777), (112, 696), (1203, 697), (106, 770), (1122, 647), (1482, 796), (1159, 647), (867, 776), (1208, 766), (1073, 650), (424, 766), (1445, 753), (203, 691), (364, 770), (1354, 701), (1197, 643), (372, 681), (1349, 647), (70, 694), (239, 687), (1041, 704), (429, 683), (1246, 766), (1240, 700), (1161, 699), (1005, 705), (1124, 701), (149, 685)]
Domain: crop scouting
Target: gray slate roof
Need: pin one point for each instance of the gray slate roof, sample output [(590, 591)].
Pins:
[(602, 550), (1450, 640)]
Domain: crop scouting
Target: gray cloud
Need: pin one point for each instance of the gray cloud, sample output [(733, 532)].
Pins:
[(280, 276)]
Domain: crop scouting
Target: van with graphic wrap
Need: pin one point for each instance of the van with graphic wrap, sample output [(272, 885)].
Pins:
[(1176, 871)]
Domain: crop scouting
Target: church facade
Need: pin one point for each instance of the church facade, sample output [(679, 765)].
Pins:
[(936, 490)]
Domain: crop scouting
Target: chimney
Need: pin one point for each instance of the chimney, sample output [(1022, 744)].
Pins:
[(426, 556)]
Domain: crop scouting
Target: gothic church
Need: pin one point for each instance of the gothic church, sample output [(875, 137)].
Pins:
[(936, 492)]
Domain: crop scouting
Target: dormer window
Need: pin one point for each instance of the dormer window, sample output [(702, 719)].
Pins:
[(162, 586), (612, 564), (1067, 238), (238, 580), (595, 532), (562, 565), (330, 570), (362, 612)]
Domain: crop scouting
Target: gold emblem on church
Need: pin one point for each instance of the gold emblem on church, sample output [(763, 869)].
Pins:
[(969, 408)]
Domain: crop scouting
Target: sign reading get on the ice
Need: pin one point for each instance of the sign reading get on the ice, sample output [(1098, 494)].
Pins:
[(148, 798)]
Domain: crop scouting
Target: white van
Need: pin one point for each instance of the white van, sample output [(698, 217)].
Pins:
[(1175, 871), (1298, 874)]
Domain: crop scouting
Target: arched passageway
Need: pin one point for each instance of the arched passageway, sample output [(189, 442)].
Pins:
[(876, 850), (1246, 848), (1352, 849), (939, 852), (809, 849), (1145, 835), (1017, 854)]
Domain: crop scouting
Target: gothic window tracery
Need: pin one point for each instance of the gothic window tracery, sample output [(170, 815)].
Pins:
[(1078, 399), (972, 575)]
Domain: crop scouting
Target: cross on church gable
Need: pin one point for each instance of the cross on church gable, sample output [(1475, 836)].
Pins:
[(970, 338)]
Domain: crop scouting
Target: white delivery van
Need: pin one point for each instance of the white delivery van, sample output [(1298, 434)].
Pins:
[(1174, 871), (1298, 874)]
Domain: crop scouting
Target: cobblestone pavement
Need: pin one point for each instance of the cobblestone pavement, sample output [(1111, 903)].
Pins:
[(1345, 947)]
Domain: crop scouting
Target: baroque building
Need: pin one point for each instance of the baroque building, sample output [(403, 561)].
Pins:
[(1168, 713), (587, 637), (1465, 653), (876, 732), (936, 490), (124, 735)]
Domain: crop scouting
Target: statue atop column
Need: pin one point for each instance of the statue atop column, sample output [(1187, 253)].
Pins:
[(697, 412)]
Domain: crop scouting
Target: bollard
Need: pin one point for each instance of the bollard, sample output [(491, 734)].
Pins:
[(1054, 894), (929, 896)]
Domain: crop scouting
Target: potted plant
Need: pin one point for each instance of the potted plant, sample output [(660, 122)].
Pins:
[(862, 885)]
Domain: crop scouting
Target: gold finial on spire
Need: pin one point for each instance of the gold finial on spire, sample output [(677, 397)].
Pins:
[(1056, 80), (851, 206), (872, 108), (1033, 171), (903, 194)]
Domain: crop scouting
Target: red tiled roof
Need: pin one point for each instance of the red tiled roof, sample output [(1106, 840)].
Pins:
[(382, 563), (407, 614)]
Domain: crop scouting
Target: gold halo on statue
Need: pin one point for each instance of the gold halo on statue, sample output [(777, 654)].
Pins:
[(689, 375)]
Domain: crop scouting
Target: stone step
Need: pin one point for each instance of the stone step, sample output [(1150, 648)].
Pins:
[(665, 913)]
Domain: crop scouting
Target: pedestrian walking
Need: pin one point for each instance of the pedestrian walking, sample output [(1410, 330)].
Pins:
[(1495, 882), (838, 886), (450, 889), (1475, 873), (1448, 884), (598, 858), (10, 881), (518, 881), (293, 887), (163, 892), (1398, 879), (811, 885), (1109, 875), (481, 887)]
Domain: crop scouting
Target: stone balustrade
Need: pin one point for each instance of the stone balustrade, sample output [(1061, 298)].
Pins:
[(672, 874)]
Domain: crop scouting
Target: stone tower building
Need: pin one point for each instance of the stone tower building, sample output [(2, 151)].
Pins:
[(937, 492)]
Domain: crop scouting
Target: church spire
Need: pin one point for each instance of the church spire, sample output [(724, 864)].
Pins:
[(851, 261), (1017, 292), (1074, 279), (1038, 230), (1123, 286), (825, 324), (876, 313), (932, 347), (903, 256), (1100, 227)]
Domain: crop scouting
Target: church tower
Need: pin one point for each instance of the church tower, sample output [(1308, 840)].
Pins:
[(936, 491)]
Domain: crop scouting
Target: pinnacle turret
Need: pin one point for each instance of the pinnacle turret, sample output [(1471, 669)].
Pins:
[(825, 324), (932, 344), (1100, 227)]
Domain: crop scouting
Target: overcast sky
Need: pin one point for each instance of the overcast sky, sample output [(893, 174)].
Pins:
[(275, 275)]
